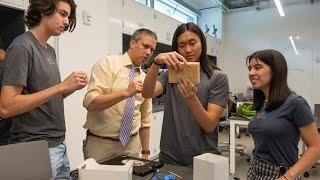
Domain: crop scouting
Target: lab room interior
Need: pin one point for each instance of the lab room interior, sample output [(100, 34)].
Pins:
[(160, 89)]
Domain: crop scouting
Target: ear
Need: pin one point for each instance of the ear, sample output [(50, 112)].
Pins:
[(132, 43)]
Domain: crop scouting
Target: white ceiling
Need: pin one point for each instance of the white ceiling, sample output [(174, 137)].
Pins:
[(200, 4)]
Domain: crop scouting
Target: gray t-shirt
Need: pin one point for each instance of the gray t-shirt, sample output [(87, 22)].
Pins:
[(4, 124), (35, 68), (182, 138), (276, 134)]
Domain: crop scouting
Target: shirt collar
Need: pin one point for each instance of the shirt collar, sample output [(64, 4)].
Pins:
[(127, 62)]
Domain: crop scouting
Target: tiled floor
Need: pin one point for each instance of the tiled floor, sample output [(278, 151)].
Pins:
[(241, 161)]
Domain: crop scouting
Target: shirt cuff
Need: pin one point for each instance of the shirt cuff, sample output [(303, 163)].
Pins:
[(89, 98)]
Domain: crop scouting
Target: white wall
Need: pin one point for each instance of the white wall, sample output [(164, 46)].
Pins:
[(212, 16), (248, 31), (80, 50), (16, 4), (316, 75)]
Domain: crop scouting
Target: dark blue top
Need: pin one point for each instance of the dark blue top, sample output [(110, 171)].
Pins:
[(276, 134)]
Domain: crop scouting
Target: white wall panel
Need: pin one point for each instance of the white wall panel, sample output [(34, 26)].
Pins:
[(155, 134), (165, 27), (115, 26), (136, 15), (17, 4), (79, 51)]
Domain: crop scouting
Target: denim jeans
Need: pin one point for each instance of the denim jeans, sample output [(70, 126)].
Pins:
[(59, 162)]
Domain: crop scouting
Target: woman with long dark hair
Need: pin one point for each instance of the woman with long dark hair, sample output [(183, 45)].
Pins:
[(282, 117), (192, 111)]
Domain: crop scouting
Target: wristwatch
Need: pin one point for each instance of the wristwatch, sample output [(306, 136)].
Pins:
[(145, 152)]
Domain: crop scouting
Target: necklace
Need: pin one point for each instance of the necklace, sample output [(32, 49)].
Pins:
[(263, 114)]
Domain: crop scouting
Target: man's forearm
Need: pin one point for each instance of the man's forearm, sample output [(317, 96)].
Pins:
[(66, 94), (18, 104), (105, 101), (144, 137), (208, 122), (149, 82)]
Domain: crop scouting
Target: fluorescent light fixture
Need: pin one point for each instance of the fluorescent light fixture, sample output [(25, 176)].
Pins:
[(279, 7), (293, 45)]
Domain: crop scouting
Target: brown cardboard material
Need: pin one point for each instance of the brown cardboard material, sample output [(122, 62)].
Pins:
[(191, 70)]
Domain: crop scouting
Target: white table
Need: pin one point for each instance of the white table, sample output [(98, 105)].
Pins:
[(233, 123)]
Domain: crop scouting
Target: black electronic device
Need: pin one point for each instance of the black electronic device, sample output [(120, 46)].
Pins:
[(141, 167)]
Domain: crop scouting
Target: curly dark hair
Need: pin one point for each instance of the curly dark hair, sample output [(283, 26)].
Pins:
[(39, 8)]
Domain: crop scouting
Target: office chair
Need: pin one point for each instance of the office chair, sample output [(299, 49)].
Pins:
[(27, 161)]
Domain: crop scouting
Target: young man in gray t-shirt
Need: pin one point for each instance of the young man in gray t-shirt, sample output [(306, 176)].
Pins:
[(32, 93)]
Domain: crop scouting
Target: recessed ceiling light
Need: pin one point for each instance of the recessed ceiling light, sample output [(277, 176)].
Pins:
[(293, 45), (279, 7)]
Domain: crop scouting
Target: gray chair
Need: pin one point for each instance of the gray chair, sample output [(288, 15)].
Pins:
[(25, 161)]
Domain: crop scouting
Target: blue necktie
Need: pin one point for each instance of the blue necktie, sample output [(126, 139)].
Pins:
[(125, 129)]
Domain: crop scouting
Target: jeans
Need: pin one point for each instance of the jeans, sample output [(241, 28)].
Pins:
[(59, 162)]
